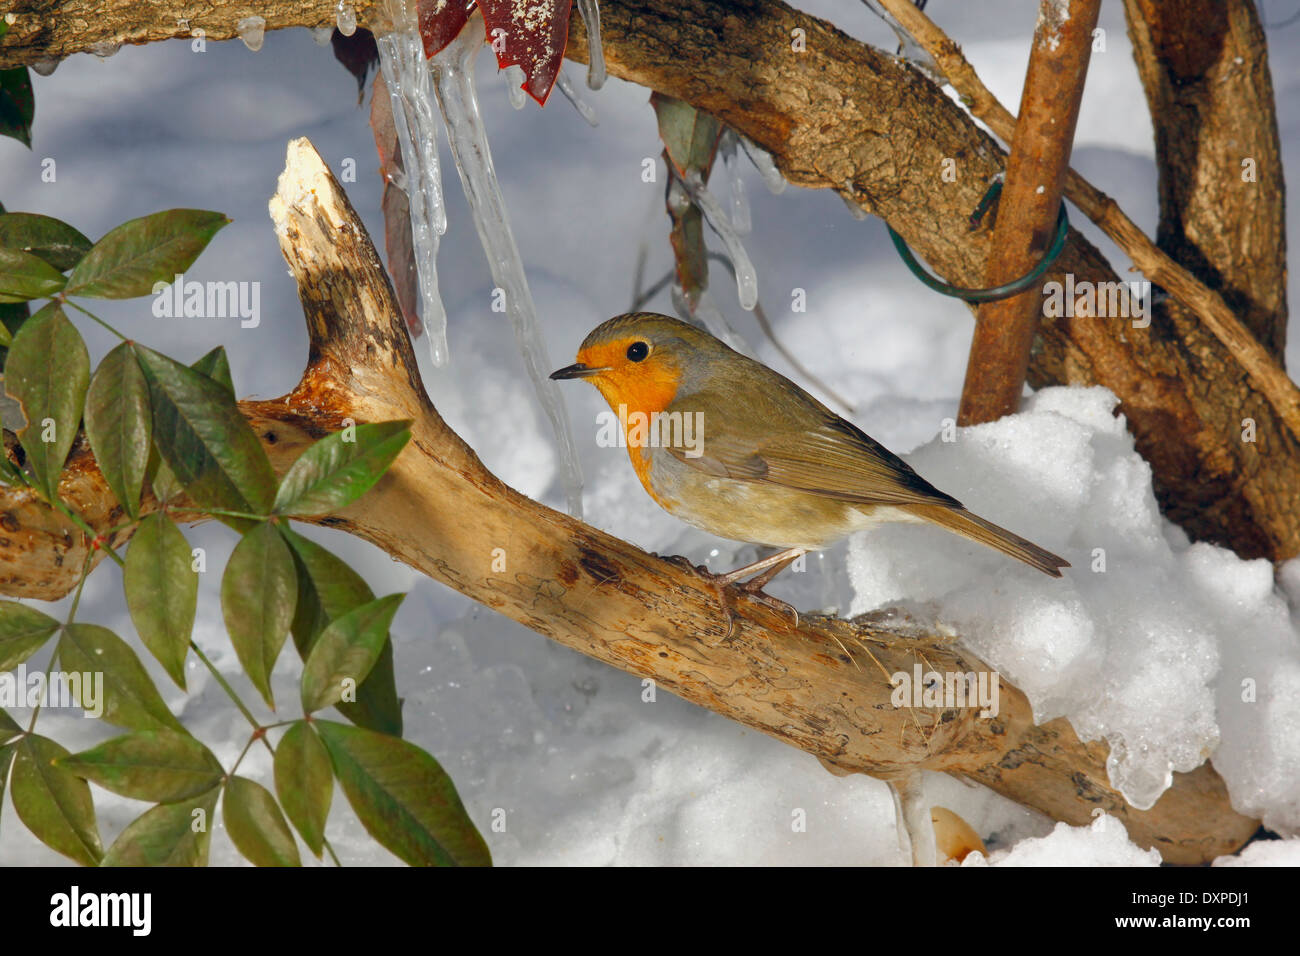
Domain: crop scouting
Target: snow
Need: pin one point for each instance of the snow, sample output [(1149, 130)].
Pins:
[(1104, 843), (587, 771)]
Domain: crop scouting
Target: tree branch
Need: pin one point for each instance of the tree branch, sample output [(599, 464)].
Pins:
[(822, 686), (1029, 208)]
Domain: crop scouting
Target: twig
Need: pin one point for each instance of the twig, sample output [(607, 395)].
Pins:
[(1036, 168)]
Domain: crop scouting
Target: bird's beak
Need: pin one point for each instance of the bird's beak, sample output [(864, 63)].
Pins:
[(577, 370)]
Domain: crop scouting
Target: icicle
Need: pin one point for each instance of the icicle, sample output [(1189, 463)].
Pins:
[(908, 48), (856, 211), (762, 161), (571, 95), (515, 80), (453, 75), (346, 18), (595, 55), (740, 217), (252, 30), (46, 66), (401, 58), (746, 277), (104, 49), (322, 35)]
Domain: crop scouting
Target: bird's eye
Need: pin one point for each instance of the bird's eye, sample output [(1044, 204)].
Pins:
[(637, 351)]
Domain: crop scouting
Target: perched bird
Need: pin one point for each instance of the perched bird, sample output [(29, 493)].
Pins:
[(730, 446)]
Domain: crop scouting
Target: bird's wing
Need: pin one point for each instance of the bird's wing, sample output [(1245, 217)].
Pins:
[(831, 457)]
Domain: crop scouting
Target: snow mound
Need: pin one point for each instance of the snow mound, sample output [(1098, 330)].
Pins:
[(1168, 651), (1104, 843)]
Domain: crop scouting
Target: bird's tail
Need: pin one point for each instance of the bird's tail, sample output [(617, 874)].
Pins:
[(986, 532)]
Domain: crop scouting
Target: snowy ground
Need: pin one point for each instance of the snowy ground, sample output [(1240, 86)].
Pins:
[(1152, 652)]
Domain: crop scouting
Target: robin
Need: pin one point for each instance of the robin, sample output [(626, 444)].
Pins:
[(730, 446)]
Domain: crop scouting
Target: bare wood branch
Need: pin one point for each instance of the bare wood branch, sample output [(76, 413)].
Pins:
[(1029, 208), (821, 686), (1204, 66)]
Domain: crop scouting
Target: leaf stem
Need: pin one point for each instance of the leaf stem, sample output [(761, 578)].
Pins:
[(66, 301)]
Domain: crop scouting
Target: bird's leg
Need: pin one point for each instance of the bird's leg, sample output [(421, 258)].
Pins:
[(769, 567)]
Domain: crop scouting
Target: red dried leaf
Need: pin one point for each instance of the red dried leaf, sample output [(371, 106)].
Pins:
[(531, 34), (440, 21)]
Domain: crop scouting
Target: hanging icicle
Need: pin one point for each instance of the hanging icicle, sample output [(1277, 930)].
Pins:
[(453, 77), (746, 277), (762, 161), (740, 217), (570, 94), (595, 54), (515, 80), (401, 58)]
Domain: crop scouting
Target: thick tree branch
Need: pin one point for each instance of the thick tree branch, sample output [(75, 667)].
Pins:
[(822, 686), (1204, 65)]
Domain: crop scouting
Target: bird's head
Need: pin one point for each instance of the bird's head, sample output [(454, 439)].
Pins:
[(644, 360)]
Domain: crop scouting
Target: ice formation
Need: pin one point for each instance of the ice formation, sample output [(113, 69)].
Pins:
[(252, 30), (908, 48), (453, 77), (515, 79), (1104, 843), (746, 277), (1170, 652), (740, 217), (322, 35), (762, 161), (346, 18), (595, 54), (402, 60), (570, 94)]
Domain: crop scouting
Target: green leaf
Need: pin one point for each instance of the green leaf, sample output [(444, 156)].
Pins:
[(203, 439), (166, 486), (44, 237), (170, 834), (162, 591), (216, 366), (136, 255), (23, 630), (47, 371), (24, 276), (130, 699), (53, 803), (156, 765), (119, 424), (334, 472), (304, 780), (346, 651), (9, 728), (327, 589), (17, 104), (256, 825), (258, 593), (403, 798), (690, 136)]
